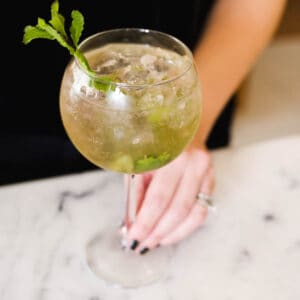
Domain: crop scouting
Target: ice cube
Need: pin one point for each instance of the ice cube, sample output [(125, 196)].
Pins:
[(161, 65), (112, 64), (117, 99), (148, 60)]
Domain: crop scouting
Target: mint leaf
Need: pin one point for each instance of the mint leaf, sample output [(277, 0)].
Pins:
[(56, 35), (57, 20), (101, 86), (105, 84), (84, 63), (76, 26), (151, 162), (55, 30), (31, 33)]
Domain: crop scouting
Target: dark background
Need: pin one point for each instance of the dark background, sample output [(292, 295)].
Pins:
[(33, 143)]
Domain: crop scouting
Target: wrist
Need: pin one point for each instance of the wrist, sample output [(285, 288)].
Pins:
[(197, 144)]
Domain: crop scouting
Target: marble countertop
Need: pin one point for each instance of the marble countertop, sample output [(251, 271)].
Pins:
[(248, 249)]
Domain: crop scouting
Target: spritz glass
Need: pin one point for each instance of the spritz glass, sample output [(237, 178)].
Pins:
[(137, 114)]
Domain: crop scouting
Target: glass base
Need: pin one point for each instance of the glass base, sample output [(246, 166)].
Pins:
[(120, 267)]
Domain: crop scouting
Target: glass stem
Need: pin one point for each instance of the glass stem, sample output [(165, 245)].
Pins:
[(130, 202)]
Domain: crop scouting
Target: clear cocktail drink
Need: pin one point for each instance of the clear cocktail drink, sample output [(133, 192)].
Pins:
[(144, 119)]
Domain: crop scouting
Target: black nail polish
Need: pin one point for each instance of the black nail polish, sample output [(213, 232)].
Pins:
[(144, 250), (134, 244)]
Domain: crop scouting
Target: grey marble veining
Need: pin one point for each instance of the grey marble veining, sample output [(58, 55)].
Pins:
[(248, 249)]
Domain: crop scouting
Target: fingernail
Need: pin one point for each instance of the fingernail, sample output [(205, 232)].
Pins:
[(144, 250), (134, 244)]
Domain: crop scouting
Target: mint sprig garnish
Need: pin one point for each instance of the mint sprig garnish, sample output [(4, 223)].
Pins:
[(151, 162), (55, 30)]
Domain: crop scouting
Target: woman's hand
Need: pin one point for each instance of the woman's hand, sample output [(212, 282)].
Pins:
[(167, 206)]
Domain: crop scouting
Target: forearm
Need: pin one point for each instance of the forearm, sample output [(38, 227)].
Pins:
[(236, 33)]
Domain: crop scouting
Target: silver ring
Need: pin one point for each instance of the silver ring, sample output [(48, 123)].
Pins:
[(205, 200)]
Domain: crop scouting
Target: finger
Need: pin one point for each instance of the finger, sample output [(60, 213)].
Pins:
[(183, 201), (142, 182), (195, 219), (208, 183), (207, 188), (197, 216), (157, 198)]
